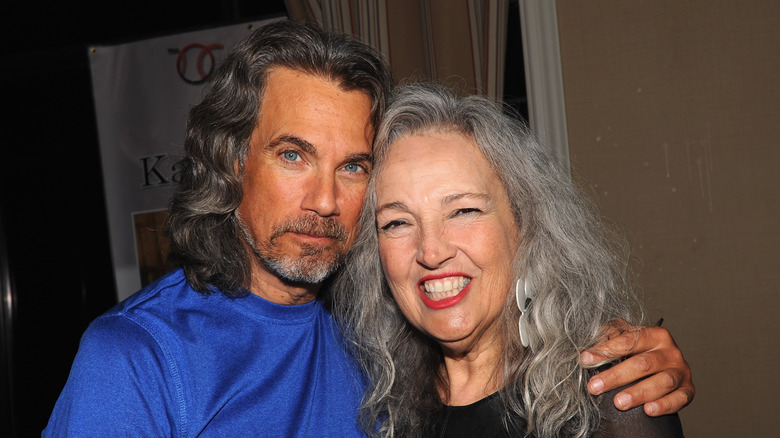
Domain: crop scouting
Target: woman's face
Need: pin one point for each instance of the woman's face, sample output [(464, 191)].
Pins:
[(447, 238)]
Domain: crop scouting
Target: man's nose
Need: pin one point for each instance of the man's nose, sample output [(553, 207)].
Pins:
[(321, 196)]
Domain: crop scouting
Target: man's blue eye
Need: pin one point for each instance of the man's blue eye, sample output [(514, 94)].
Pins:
[(352, 167), (290, 155)]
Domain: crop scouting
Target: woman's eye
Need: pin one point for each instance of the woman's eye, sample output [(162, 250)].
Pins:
[(290, 155), (392, 224), (462, 211)]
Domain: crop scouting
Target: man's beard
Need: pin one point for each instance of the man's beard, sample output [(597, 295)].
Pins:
[(313, 265)]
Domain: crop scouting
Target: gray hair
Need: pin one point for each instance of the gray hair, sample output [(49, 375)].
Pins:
[(204, 232), (577, 266)]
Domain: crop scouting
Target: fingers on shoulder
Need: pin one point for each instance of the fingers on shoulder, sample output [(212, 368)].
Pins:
[(669, 404)]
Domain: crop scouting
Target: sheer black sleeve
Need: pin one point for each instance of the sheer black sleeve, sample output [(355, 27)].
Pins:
[(634, 423)]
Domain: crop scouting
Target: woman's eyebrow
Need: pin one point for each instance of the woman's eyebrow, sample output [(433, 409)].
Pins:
[(396, 205), (458, 196)]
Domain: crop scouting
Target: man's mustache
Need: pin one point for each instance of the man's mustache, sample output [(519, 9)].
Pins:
[(313, 226)]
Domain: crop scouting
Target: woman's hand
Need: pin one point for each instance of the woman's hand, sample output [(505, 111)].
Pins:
[(650, 354)]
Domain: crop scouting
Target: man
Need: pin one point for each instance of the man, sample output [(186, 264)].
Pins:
[(236, 343)]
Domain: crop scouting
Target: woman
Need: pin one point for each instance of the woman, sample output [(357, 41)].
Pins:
[(468, 231)]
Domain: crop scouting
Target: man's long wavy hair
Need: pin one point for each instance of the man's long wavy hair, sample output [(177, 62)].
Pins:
[(205, 237), (577, 266)]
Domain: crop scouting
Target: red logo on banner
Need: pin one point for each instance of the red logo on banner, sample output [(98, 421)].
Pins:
[(205, 63)]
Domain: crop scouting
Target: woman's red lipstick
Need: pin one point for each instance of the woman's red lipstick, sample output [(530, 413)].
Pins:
[(446, 302)]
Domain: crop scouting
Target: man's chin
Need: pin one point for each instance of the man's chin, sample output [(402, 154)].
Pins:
[(306, 269)]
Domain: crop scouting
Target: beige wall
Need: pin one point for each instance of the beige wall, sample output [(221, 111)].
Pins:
[(673, 112)]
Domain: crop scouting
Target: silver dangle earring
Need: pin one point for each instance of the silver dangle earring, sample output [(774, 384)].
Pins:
[(524, 292)]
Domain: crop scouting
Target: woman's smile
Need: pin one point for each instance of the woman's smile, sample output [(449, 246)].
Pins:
[(440, 293)]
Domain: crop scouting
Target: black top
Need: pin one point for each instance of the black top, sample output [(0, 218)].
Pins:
[(483, 419)]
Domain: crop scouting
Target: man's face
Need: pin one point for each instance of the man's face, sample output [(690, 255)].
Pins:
[(304, 179)]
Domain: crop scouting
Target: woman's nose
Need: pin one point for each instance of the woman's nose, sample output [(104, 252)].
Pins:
[(434, 248)]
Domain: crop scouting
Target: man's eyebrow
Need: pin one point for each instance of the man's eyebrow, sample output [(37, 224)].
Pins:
[(359, 158), (297, 141)]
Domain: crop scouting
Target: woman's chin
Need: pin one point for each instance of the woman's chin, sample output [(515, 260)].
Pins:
[(459, 336), (456, 341)]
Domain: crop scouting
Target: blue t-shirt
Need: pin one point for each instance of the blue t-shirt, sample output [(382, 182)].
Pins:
[(169, 361)]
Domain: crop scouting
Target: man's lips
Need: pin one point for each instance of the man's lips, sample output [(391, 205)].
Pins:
[(443, 291), (314, 239), (313, 236)]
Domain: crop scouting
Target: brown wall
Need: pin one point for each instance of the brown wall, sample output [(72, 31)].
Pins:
[(673, 112)]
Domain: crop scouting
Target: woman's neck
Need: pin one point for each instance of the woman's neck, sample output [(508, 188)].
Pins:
[(471, 376)]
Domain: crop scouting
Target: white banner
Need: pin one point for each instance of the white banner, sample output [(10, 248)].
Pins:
[(143, 92)]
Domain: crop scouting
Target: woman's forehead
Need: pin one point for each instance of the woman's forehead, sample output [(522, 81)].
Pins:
[(445, 162)]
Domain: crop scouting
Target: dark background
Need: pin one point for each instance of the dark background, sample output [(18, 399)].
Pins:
[(56, 273)]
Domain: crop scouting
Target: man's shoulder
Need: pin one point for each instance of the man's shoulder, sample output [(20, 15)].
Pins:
[(141, 314), (160, 299), (124, 361), (173, 282)]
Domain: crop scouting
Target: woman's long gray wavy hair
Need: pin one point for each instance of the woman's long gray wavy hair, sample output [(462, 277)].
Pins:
[(204, 232), (565, 251)]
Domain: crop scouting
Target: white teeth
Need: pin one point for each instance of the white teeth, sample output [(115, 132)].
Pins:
[(440, 289)]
